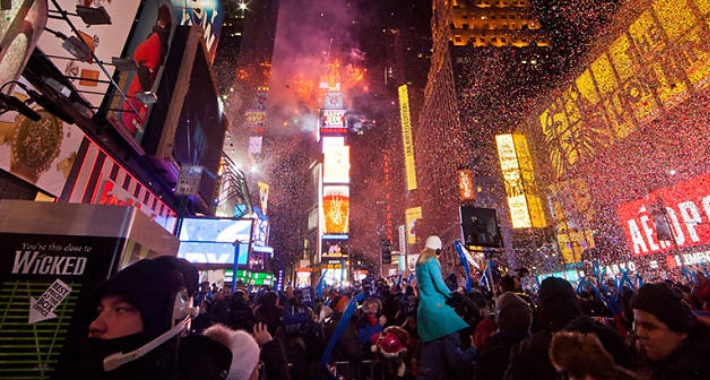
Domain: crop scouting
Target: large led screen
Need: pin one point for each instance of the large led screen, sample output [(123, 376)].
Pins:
[(336, 164), (210, 241), (212, 253), (332, 120), (215, 230), (336, 209)]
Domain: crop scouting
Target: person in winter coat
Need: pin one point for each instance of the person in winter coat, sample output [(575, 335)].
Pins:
[(558, 306), (371, 322), (513, 317), (669, 334), (239, 312), (269, 312), (348, 347), (579, 356), (437, 322)]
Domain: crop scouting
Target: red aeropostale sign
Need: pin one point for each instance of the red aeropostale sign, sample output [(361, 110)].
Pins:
[(687, 212)]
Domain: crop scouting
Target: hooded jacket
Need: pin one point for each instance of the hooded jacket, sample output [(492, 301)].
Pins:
[(558, 307)]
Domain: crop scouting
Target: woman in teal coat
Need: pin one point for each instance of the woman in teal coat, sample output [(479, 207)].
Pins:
[(437, 322)]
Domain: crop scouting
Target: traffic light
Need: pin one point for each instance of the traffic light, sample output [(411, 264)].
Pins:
[(386, 250)]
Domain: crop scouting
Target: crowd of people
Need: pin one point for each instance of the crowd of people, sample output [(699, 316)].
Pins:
[(153, 321)]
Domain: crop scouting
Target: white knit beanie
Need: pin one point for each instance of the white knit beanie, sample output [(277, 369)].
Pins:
[(245, 351)]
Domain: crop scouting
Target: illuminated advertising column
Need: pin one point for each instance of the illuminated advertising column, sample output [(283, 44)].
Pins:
[(525, 206), (407, 138), (334, 191)]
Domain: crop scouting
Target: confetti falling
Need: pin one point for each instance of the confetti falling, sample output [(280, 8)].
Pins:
[(586, 166)]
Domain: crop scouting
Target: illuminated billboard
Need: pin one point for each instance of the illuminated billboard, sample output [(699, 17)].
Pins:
[(407, 138), (411, 217), (516, 167), (208, 15), (332, 118), (334, 100), (102, 180), (105, 41), (465, 179), (215, 230), (336, 164), (329, 141), (150, 47), (677, 215), (212, 253), (649, 69), (255, 118), (336, 209), (210, 241), (263, 196), (40, 152), (334, 248)]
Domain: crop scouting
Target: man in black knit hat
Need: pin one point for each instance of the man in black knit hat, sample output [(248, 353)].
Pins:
[(139, 313), (669, 334)]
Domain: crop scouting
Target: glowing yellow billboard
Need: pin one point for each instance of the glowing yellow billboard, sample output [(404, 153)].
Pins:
[(336, 209), (656, 64), (407, 137), (516, 165), (411, 217)]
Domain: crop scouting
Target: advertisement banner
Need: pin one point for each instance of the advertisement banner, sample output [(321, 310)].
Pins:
[(334, 249), (215, 230), (336, 164), (260, 232), (516, 166), (264, 196), (407, 138), (102, 180), (514, 186), (255, 118), (105, 41), (466, 191), (686, 206), (332, 119), (40, 152), (149, 48), (208, 15), (336, 209), (45, 287), (334, 101), (412, 215), (402, 239), (210, 241)]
